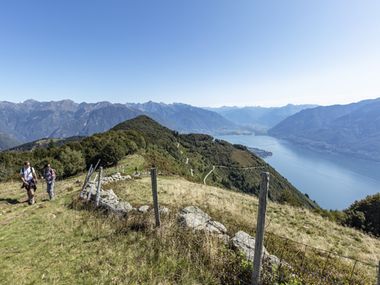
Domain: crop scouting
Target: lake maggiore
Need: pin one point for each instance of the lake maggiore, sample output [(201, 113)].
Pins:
[(334, 181)]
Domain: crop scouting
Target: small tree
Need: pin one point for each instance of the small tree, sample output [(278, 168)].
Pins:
[(72, 160), (111, 154)]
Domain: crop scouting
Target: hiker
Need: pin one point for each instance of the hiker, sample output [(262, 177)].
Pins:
[(29, 181), (49, 176)]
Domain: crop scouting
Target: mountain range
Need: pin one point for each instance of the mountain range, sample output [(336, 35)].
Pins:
[(33, 120), (352, 129), (258, 118)]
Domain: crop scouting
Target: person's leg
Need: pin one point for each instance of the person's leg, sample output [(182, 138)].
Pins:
[(32, 197), (30, 192), (52, 190), (48, 186), (29, 195)]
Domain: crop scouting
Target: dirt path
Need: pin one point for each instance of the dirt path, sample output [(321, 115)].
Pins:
[(208, 174)]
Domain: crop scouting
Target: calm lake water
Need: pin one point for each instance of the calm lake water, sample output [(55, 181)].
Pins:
[(335, 181)]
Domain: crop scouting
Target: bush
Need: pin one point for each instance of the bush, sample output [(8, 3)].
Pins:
[(72, 160), (111, 154), (365, 214)]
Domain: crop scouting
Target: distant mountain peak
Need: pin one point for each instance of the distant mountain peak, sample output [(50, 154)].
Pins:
[(32, 120)]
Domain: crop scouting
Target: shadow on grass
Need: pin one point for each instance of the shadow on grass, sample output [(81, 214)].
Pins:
[(11, 201)]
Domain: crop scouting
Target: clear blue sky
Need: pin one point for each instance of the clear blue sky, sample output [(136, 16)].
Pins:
[(202, 52)]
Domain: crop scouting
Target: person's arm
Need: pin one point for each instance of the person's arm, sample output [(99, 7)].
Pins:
[(22, 175)]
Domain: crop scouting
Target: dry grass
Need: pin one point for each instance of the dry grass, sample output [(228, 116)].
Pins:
[(59, 243), (239, 211)]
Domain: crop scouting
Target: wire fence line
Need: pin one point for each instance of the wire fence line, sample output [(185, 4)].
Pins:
[(296, 260), (317, 266), (297, 264)]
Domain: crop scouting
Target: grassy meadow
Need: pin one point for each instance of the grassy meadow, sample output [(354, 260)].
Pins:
[(66, 242)]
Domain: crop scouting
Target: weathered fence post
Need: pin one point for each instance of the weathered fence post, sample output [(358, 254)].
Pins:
[(378, 274), (99, 186), (85, 181), (153, 175), (259, 242)]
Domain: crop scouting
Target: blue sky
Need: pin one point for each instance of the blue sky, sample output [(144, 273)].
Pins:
[(201, 52)]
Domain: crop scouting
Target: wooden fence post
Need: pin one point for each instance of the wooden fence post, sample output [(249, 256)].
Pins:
[(86, 181), (260, 228), (153, 175), (88, 177), (99, 186), (378, 274)]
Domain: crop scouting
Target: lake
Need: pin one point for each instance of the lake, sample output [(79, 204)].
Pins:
[(335, 181)]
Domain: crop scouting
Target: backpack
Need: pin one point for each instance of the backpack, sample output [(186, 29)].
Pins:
[(52, 174)]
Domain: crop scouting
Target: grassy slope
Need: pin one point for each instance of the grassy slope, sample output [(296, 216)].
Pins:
[(54, 243)]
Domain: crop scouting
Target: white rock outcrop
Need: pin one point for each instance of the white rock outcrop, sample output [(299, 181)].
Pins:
[(194, 218)]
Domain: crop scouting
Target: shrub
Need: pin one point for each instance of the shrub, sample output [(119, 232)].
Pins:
[(365, 214), (72, 160)]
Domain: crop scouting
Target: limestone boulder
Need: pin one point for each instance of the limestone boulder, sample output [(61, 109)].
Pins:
[(194, 218), (144, 209), (246, 244)]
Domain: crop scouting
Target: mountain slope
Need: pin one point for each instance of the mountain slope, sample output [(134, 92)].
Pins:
[(7, 142), (33, 120), (177, 117), (259, 118), (352, 129)]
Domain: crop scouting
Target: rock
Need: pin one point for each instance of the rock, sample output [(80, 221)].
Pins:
[(164, 211), (109, 195), (272, 260), (115, 208), (246, 244), (194, 218), (218, 226), (126, 206), (108, 200), (195, 210), (136, 175), (128, 177), (144, 209), (52, 216)]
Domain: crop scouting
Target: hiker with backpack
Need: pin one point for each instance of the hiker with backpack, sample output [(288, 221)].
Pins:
[(29, 181), (49, 176)]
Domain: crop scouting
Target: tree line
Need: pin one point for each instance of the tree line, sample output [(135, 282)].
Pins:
[(74, 156)]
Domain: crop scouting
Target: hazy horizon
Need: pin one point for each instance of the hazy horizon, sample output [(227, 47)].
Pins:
[(169, 103)]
